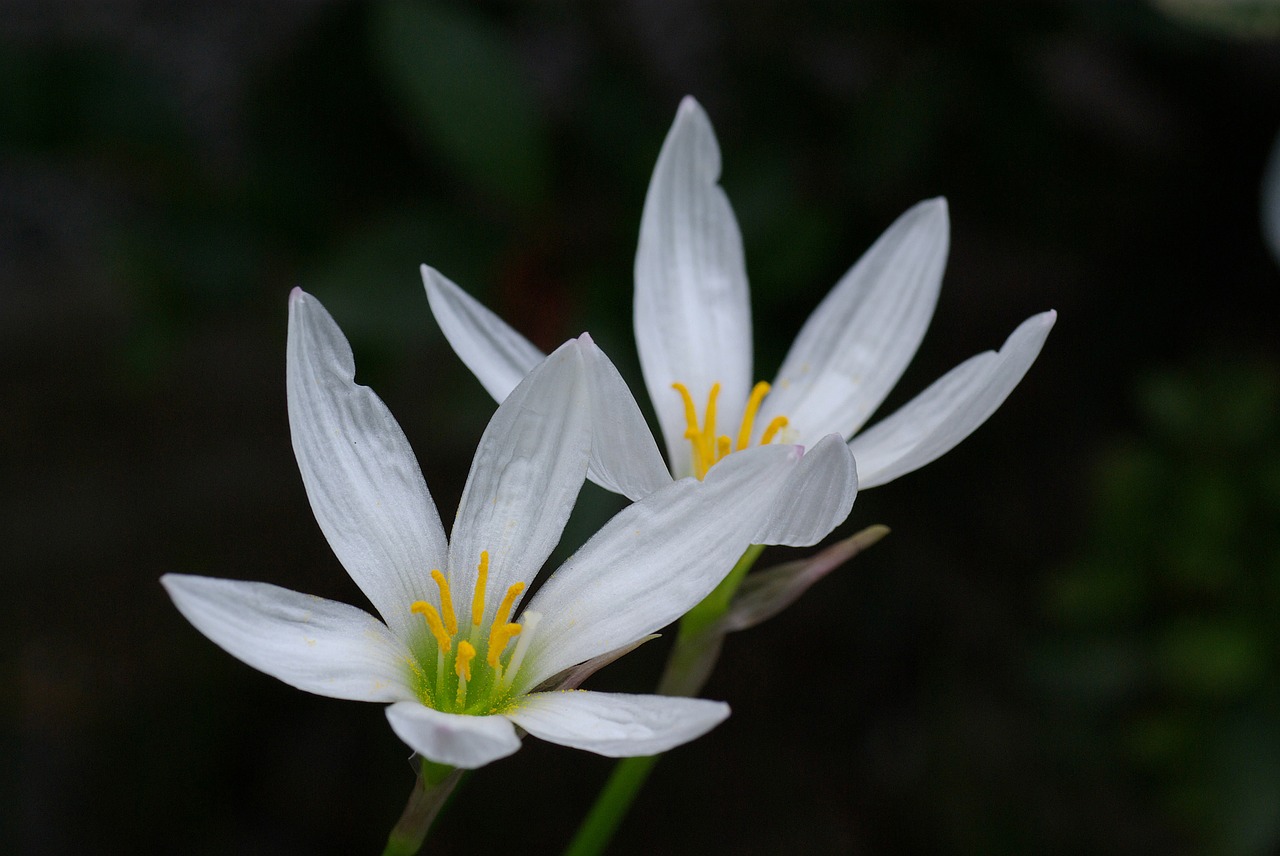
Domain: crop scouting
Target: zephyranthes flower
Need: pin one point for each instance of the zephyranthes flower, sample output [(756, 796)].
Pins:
[(455, 655), (693, 333)]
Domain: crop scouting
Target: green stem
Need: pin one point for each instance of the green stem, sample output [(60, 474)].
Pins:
[(435, 783), (697, 647), (611, 806), (714, 605)]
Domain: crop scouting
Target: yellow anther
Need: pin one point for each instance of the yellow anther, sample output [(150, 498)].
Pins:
[(498, 639), (462, 662), (446, 603), (690, 412), (427, 611), (758, 392), (477, 602), (709, 448), (508, 601), (775, 425), (709, 429), (500, 621)]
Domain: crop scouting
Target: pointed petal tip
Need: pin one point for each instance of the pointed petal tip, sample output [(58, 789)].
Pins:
[(586, 339), (689, 104), (1037, 326), (936, 207), (432, 279), (690, 112)]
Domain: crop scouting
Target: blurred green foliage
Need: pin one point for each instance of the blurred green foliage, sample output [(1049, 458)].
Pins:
[(155, 216), (454, 79), (1169, 640)]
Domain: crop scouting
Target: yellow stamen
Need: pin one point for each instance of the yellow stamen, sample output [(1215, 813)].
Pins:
[(508, 600), (462, 666), (446, 603), (690, 412), (709, 429), (427, 611), (462, 663), (499, 636), (775, 425), (706, 446), (477, 602), (758, 392), (500, 621)]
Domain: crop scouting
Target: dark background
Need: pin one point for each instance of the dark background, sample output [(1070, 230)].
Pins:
[(1067, 645)]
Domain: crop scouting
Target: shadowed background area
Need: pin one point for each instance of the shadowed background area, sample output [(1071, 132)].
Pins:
[(1067, 644)]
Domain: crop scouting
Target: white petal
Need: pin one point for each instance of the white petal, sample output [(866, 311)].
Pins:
[(1271, 201), (816, 498), (362, 479), (615, 724), (527, 472), (311, 643), (692, 309), (624, 458), (652, 562), (933, 422), (453, 738), (857, 343), (497, 355)]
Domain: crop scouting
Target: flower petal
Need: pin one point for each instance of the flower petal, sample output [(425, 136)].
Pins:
[(857, 343), (525, 478), (318, 645), (453, 738), (653, 561), (616, 724), (933, 422), (816, 498), (624, 457), (692, 309), (497, 355), (361, 476)]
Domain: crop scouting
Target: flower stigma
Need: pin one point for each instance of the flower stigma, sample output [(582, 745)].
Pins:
[(463, 686), (708, 447)]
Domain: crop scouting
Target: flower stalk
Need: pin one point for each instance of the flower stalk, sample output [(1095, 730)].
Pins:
[(693, 657), (432, 789)]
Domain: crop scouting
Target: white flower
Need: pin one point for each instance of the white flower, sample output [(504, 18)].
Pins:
[(459, 669), (693, 332)]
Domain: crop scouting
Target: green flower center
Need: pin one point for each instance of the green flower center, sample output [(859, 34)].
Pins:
[(446, 673)]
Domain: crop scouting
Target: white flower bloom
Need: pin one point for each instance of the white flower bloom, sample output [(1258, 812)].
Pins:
[(455, 654), (693, 333)]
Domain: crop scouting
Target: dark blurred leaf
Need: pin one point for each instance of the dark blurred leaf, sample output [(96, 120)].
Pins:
[(371, 277), (77, 98), (1211, 658), (455, 79), (1094, 672), (1098, 593), (1257, 19)]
